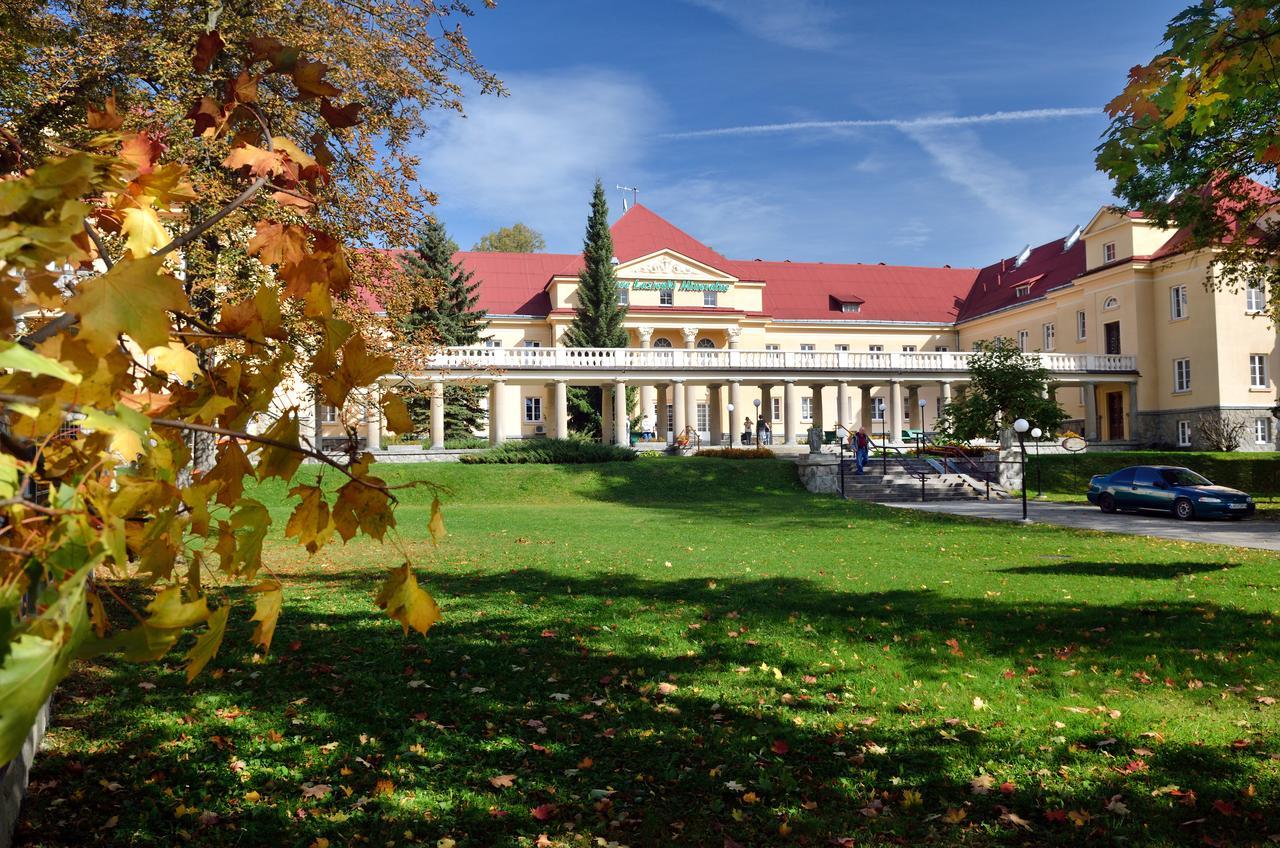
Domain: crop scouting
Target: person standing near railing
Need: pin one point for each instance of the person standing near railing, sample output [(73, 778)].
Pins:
[(862, 445)]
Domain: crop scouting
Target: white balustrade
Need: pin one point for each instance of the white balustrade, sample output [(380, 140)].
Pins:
[(461, 359)]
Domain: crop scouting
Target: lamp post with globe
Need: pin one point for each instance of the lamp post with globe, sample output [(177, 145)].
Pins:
[(1021, 427), (757, 403), (731, 425), (1036, 433)]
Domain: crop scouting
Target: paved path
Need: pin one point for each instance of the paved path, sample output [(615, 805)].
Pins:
[(1249, 533)]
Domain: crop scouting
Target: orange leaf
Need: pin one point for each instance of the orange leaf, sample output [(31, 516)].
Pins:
[(208, 46), (309, 77)]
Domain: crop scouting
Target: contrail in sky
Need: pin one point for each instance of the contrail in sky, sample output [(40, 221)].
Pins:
[(896, 123)]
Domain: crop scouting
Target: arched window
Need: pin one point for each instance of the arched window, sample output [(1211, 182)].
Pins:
[(703, 344), (1110, 303), (662, 343)]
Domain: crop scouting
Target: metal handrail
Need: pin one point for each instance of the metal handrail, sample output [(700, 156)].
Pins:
[(958, 457)]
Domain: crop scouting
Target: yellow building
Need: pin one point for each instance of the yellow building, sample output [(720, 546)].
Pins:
[(1139, 351)]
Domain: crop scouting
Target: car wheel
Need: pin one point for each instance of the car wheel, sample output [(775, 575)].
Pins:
[(1184, 510), (1107, 503)]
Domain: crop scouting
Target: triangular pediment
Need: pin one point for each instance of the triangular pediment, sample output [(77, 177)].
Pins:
[(1104, 218), (670, 265)]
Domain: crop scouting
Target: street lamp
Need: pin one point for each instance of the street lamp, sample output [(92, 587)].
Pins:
[(920, 438), (731, 425), (1036, 433), (1021, 427), (757, 403)]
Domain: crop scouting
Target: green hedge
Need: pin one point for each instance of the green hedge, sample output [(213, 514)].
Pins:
[(736, 453), (1256, 473), (550, 452)]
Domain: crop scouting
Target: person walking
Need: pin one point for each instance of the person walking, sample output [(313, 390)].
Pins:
[(862, 445), (746, 431), (763, 435)]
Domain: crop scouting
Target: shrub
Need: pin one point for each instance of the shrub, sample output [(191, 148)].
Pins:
[(1256, 473), (464, 442), (736, 453), (550, 452)]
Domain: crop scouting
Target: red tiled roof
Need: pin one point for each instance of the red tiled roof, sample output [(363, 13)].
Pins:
[(515, 283), (1048, 267), (640, 232)]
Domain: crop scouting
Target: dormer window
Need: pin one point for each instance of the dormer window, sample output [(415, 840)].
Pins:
[(1022, 291), (1109, 252), (851, 307)]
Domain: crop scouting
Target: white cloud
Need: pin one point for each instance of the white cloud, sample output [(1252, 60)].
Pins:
[(534, 155), (912, 234), (802, 24), (897, 123)]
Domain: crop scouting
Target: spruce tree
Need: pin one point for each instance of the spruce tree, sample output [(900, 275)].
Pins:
[(598, 317), (449, 318)]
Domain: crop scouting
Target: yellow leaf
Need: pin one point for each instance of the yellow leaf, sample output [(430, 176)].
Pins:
[(98, 614), (436, 525), (176, 360), (266, 611), (127, 428), (143, 230), (358, 369), (208, 642), (309, 523), (170, 612), (15, 357), (134, 297), (396, 414), (954, 815), (406, 602)]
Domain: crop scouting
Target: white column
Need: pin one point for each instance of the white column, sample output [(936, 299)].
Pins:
[(373, 420), (691, 404), (646, 335), (677, 408), (621, 432), (766, 409), (560, 408), (816, 407), (844, 416), (496, 434), (648, 399), (606, 413), (734, 333), (663, 398), (789, 412), (690, 336), (715, 422), (945, 389), (914, 418), (894, 413), (735, 400), (1090, 412), (437, 415), (864, 413)]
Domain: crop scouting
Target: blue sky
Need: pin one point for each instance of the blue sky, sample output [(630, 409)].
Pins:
[(628, 90)]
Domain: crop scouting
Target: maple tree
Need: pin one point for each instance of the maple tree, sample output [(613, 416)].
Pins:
[(517, 238), (1194, 140), (110, 362)]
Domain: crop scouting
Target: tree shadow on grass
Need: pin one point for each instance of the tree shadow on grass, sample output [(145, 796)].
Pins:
[(557, 680), (1130, 570)]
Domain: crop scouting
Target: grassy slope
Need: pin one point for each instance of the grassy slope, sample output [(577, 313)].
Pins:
[(808, 643)]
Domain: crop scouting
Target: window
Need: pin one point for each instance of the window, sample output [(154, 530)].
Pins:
[(492, 343), (1022, 291), (1262, 431), (703, 418), (328, 414), (664, 343), (977, 346), (709, 298), (666, 297), (842, 348), (909, 348), (1146, 477), (1110, 303), (1082, 326), (1184, 434), (1255, 298), (772, 347), (1258, 371), (806, 409), (851, 307), (1182, 375), (533, 409), (1123, 477), (1177, 303), (1022, 340), (1049, 340), (624, 295), (532, 343), (1109, 252), (941, 348), (876, 348), (877, 409), (671, 418), (705, 344), (776, 412), (808, 347)]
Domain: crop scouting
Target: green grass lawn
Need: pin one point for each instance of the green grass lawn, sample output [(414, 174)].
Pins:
[(698, 652)]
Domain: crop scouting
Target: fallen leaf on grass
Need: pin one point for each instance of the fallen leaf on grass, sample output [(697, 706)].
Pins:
[(315, 790)]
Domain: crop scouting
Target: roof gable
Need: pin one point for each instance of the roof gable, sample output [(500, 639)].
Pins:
[(669, 264), (1048, 267), (640, 232)]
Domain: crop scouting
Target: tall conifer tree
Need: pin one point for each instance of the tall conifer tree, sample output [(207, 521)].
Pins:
[(450, 318), (598, 317)]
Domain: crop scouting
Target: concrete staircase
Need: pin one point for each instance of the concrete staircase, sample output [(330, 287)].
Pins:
[(900, 481)]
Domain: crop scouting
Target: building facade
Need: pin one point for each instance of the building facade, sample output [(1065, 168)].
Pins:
[(1140, 351)]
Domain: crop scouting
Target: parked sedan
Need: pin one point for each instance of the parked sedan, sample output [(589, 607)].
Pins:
[(1168, 488)]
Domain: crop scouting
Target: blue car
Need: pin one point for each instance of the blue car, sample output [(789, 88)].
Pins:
[(1168, 488)]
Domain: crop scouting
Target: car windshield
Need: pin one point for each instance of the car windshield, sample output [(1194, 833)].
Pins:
[(1183, 477)]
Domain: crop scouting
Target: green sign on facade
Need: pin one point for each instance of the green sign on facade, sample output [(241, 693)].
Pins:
[(677, 285)]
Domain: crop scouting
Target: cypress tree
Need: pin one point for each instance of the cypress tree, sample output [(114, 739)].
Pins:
[(598, 317), (451, 319)]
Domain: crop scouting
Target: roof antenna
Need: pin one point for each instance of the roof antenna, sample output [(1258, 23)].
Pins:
[(634, 191)]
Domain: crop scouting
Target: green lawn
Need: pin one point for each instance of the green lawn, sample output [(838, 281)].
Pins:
[(697, 652)]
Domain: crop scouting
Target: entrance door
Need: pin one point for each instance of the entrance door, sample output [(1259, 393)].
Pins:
[(1115, 415), (1111, 331)]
